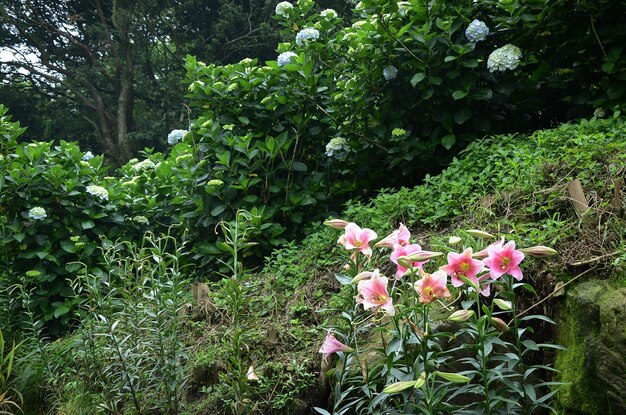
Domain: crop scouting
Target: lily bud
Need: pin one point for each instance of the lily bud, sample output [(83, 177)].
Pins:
[(405, 262), (539, 251), (251, 375), (420, 381), (480, 234), (460, 316), (499, 324), (503, 304), (336, 223), (399, 386), (361, 276), (452, 377), (454, 240), (422, 256)]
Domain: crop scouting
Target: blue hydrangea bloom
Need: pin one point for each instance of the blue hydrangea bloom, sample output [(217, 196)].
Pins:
[(175, 136), (87, 156), (506, 57), (337, 147), (285, 58), (390, 72), (37, 213), (476, 31), (305, 35)]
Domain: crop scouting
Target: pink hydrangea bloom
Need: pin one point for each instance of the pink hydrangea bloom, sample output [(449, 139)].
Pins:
[(462, 264), (504, 259), (432, 287), (332, 345), (372, 293), (400, 251), (357, 238), (398, 237)]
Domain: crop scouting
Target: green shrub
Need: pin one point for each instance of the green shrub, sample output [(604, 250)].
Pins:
[(55, 208)]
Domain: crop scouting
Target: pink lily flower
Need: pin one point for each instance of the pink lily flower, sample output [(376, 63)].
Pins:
[(398, 237), (483, 254), (357, 238), (373, 293), (432, 286), (400, 251), (504, 259), (462, 264), (485, 289), (332, 345)]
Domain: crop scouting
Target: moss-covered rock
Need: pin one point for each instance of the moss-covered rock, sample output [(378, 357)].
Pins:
[(592, 327)]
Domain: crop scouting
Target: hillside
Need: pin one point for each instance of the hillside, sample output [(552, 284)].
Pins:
[(512, 185)]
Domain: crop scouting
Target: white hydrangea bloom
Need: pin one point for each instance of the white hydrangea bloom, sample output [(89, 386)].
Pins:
[(506, 57), (476, 31), (37, 213), (146, 164), (88, 156), (98, 191), (306, 35), (215, 182), (358, 24), (175, 136), (328, 14), (285, 58), (282, 8), (390, 72), (599, 113), (337, 147), (141, 219)]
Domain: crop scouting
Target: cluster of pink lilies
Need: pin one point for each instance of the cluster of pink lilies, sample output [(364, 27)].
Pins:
[(496, 260)]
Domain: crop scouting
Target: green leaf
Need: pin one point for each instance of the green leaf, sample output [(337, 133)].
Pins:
[(435, 80), (87, 224), (298, 166), (483, 94), (343, 279), (531, 345), (530, 392), (470, 63), (538, 317), (417, 78), (458, 94), (449, 58), (462, 115), (448, 141), (61, 311), (404, 28), (218, 210)]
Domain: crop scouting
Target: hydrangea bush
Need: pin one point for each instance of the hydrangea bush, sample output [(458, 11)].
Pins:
[(56, 207), (441, 336)]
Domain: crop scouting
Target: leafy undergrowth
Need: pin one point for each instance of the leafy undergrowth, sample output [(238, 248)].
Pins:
[(515, 185)]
